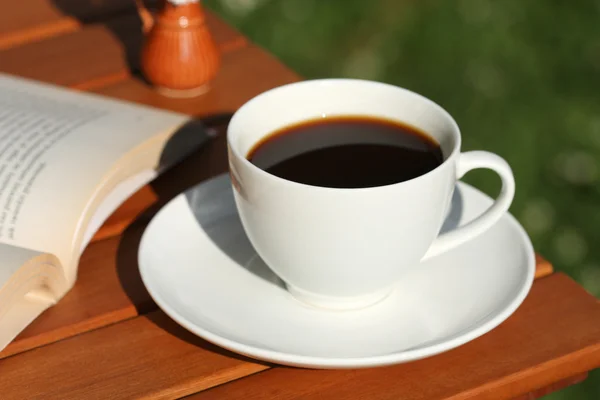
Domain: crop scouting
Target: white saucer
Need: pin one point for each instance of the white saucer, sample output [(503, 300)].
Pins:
[(199, 267)]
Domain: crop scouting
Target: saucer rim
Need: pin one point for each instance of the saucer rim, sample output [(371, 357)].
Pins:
[(468, 334)]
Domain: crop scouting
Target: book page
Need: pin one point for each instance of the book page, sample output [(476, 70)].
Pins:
[(111, 202), (58, 150), (11, 259), (30, 282)]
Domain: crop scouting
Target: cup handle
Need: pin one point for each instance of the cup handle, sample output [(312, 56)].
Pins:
[(468, 161)]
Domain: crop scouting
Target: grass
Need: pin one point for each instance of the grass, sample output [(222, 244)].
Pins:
[(522, 79)]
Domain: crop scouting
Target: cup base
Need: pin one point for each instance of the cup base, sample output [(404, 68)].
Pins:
[(338, 303)]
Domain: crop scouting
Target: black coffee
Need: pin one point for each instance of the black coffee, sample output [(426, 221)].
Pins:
[(347, 152)]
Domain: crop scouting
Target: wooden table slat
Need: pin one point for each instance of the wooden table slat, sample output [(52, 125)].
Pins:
[(243, 75), (543, 267), (146, 357), (43, 18), (554, 387), (554, 335), (70, 60)]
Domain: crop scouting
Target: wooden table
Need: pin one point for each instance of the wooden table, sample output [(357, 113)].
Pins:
[(107, 339)]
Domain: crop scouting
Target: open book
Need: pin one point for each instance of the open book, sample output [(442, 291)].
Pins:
[(67, 161)]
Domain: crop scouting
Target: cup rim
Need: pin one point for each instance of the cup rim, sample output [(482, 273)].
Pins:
[(331, 81)]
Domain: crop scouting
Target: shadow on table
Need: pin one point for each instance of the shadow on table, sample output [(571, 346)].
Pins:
[(206, 162), (120, 17)]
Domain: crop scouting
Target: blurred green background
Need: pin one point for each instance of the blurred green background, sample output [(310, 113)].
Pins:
[(522, 79)]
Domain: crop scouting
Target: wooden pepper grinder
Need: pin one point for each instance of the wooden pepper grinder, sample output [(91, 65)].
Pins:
[(179, 56)]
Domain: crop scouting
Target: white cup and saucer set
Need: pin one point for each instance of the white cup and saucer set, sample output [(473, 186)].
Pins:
[(325, 277)]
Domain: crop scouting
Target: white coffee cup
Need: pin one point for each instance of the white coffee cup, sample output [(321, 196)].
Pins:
[(345, 248)]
